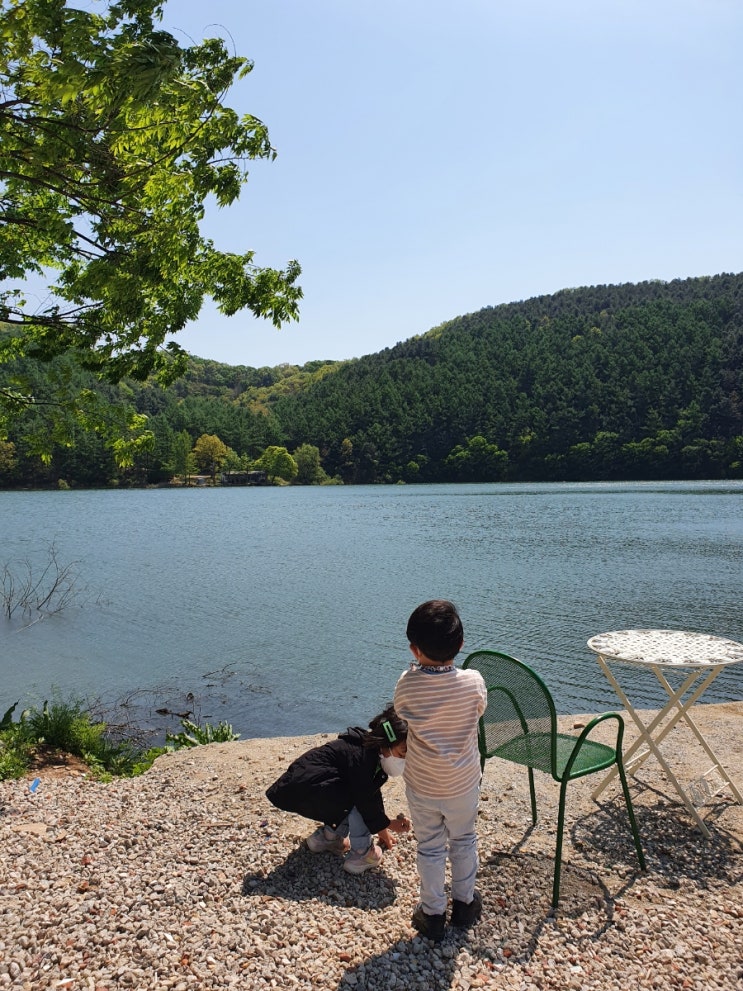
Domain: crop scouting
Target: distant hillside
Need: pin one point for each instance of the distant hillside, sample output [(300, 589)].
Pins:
[(606, 382), (630, 381)]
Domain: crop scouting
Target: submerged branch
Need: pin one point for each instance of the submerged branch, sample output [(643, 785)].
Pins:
[(38, 594)]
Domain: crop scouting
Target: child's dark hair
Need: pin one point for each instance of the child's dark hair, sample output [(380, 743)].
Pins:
[(386, 729), (436, 630)]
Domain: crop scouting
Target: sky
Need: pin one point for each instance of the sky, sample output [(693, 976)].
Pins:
[(436, 157)]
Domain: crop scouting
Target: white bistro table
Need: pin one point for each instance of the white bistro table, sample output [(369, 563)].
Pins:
[(699, 658)]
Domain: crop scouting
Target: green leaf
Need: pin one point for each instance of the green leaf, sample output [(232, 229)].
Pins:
[(7, 721)]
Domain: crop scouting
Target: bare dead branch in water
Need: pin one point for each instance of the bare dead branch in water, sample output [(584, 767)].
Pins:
[(36, 593)]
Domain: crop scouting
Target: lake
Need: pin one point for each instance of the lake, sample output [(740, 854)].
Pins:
[(283, 610)]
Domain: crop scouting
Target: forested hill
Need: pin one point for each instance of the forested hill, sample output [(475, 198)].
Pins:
[(608, 382), (630, 381)]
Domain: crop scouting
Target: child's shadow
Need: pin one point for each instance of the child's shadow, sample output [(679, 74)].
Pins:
[(404, 964), (305, 876)]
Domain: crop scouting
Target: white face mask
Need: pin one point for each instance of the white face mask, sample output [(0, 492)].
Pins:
[(393, 766)]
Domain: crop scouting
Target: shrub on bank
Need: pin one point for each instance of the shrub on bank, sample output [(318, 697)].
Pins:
[(68, 727)]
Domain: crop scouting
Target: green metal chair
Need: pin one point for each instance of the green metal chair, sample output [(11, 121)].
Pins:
[(520, 725)]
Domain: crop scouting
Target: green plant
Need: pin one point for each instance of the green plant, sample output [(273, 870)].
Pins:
[(7, 721), (68, 726), (64, 726), (195, 734), (15, 750), (110, 757), (146, 760), (15, 757)]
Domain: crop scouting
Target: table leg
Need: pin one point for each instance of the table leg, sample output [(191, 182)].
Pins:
[(684, 713), (675, 701), (645, 731)]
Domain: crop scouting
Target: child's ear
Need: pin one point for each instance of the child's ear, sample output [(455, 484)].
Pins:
[(415, 651)]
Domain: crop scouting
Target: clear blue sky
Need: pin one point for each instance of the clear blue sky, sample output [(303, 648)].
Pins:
[(438, 157)]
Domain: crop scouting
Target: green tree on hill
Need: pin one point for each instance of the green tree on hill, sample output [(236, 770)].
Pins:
[(182, 462), (309, 469), (602, 383), (8, 459), (477, 461), (277, 463), (210, 453)]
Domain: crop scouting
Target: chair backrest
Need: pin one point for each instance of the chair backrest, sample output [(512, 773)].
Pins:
[(519, 703)]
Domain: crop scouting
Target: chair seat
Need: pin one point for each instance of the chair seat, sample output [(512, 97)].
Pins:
[(535, 750)]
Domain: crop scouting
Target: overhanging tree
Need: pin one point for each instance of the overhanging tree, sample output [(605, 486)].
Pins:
[(113, 141)]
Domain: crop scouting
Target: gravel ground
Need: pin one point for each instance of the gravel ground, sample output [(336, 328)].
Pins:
[(187, 878)]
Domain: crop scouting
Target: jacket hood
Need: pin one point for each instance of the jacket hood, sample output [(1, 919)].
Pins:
[(354, 735)]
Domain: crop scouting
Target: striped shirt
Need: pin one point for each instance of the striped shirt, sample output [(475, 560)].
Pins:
[(442, 708)]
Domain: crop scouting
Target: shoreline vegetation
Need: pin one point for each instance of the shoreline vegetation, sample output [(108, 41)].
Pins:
[(69, 733), (187, 877)]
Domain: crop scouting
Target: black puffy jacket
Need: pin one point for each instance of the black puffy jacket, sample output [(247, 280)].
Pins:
[(325, 783)]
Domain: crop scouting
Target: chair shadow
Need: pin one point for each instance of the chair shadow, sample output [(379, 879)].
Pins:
[(673, 845), (305, 876)]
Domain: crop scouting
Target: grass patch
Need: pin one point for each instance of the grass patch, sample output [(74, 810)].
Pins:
[(69, 727)]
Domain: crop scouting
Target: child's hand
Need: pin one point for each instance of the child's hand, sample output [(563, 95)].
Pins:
[(400, 824), (386, 840)]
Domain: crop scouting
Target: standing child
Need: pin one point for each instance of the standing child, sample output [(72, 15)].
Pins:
[(340, 784), (442, 705)]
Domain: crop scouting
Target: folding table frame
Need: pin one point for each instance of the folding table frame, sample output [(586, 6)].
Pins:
[(701, 655)]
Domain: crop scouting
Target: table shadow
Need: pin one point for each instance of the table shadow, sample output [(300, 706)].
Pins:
[(674, 847)]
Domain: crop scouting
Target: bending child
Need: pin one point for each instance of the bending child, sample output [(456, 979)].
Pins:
[(442, 705), (340, 784)]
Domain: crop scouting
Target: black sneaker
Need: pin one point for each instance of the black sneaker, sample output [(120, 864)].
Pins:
[(430, 926), (465, 914)]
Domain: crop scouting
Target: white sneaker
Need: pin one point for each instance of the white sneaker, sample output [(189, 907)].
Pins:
[(321, 842), (357, 863)]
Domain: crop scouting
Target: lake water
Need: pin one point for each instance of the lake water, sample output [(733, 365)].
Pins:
[(283, 610)]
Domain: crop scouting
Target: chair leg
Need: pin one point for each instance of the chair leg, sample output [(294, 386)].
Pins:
[(533, 795), (630, 812), (558, 845)]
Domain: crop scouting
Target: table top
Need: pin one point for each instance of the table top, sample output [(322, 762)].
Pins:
[(667, 648)]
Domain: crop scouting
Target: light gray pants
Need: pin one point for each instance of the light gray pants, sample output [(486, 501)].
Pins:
[(445, 827), (354, 827)]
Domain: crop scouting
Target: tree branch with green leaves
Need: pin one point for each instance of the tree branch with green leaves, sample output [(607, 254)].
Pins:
[(113, 141)]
